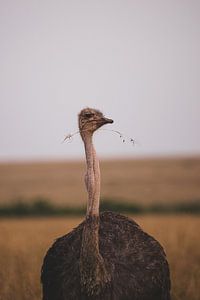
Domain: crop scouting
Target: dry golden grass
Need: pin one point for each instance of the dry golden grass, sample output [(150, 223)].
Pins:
[(23, 244), (143, 181)]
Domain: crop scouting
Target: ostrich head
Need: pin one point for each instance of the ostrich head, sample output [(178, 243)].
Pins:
[(90, 120)]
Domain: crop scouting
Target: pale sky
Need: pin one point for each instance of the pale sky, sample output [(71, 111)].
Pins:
[(137, 61)]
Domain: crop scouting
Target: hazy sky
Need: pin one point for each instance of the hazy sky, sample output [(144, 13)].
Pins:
[(137, 61)]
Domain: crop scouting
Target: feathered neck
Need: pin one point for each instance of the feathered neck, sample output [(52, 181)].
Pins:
[(94, 276), (92, 176)]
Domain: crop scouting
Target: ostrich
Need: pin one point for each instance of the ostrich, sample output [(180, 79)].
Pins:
[(108, 256)]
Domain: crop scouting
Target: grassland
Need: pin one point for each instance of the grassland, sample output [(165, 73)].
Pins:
[(23, 244), (140, 181)]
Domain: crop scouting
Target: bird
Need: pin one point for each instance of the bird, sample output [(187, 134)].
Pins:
[(107, 256)]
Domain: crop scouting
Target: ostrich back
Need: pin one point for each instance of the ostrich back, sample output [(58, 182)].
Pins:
[(135, 260)]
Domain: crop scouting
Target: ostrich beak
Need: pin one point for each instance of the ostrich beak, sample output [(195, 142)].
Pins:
[(106, 121)]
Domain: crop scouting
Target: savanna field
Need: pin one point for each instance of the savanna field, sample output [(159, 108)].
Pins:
[(24, 241)]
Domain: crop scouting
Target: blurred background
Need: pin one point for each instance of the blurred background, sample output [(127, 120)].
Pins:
[(136, 61)]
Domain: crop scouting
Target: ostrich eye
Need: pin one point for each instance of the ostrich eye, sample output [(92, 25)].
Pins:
[(89, 115)]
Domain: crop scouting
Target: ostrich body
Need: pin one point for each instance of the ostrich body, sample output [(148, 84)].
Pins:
[(108, 256)]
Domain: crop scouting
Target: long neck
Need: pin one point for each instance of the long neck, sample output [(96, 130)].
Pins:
[(92, 177), (94, 276)]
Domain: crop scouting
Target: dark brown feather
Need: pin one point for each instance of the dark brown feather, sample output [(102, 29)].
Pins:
[(135, 261)]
